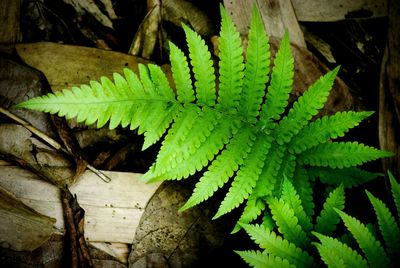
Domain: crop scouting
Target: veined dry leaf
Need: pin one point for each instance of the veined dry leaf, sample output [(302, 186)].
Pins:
[(22, 228), (65, 66), (165, 238)]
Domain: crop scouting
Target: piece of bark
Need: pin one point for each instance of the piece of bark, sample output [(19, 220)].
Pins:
[(166, 238), (71, 144), (74, 216), (149, 33), (10, 31), (277, 15), (88, 6), (21, 227), (389, 92), (66, 66), (328, 10)]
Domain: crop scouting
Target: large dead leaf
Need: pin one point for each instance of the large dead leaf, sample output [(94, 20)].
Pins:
[(18, 83), (22, 228), (166, 238), (65, 66), (328, 10)]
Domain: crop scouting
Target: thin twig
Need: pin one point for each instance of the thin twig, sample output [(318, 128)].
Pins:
[(53, 143)]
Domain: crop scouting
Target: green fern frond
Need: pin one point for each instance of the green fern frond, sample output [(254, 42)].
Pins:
[(290, 197), (229, 132), (280, 86), (325, 128), (287, 222), (160, 82), (181, 74), (256, 69), (276, 246), (302, 183), (328, 218), (332, 250), (254, 207), (222, 168), (371, 247), (118, 103), (387, 224), (200, 59), (395, 188), (246, 178), (348, 177), (289, 166), (230, 65), (340, 154), (305, 107), (260, 259), (330, 259), (181, 129), (188, 144), (267, 182)]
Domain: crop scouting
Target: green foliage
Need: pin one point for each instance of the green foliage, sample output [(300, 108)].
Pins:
[(277, 247), (370, 251), (241, 132), (291, 240), (328, 219)]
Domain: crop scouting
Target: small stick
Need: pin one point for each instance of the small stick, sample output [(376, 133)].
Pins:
[(53, 143)]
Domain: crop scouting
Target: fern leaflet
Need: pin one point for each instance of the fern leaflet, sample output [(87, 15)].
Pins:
[(256, 69), (287, 222), (395, 188), (387, 224), (325, 128), (231, 65), (260, 259), (290, 197), (246, 178), (202, 68), (328, 219), (348, 177), (181, 74), (277, 246), (340, 154), (371, 247), (336, 248), (305, 107), (280, 86), (222, 168)]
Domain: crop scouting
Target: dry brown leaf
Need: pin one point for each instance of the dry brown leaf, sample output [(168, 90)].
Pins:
[(166, 238), (22, 228), (65, 66), (328, 10), (89, 6)]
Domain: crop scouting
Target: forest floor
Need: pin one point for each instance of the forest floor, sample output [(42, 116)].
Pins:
[(50, 45)]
